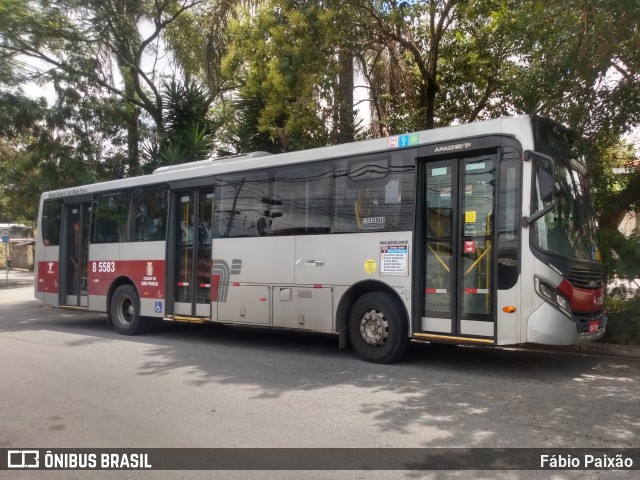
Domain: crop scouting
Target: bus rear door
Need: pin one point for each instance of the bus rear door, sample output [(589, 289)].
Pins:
[(189, 254), (74, 253)]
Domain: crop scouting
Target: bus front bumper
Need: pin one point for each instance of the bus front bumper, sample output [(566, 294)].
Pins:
[(548, 326)]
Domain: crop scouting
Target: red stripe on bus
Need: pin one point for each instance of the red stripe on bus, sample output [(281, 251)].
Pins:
[(148, 276), (215, 283)]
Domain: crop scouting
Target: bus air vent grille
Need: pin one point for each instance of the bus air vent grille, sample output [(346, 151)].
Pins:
[(583, 278)]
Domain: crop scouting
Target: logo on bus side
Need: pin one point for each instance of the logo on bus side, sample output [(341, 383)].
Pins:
[(312, 263), (450, 148), (221, 270)]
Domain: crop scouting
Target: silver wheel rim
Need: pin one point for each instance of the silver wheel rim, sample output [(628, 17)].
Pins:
[(374, 327), (126, 311)]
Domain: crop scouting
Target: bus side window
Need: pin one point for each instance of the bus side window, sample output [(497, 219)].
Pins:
[(110, 212), (374, 193), (508, 225), (242, 206), (148, 214), (51, 219), (301, 200)]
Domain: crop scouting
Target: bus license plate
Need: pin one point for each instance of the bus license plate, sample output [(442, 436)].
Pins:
[(593, 326)]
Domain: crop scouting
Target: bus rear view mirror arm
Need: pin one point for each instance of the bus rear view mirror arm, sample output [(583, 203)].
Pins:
[(544, 184), (529, 220)]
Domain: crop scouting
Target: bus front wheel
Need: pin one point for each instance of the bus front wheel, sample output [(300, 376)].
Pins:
[(378, 330), (125, 311)]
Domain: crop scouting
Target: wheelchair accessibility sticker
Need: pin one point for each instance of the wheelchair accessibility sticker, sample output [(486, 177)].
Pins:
[(158, 307)]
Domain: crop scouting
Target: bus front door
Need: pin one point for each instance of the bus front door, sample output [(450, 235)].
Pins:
[(74, 255), (458, 253), (191, 252)]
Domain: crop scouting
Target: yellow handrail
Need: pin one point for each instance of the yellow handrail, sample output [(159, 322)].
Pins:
[(438, 257)]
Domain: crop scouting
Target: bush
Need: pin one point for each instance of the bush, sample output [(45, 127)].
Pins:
[(623, 326)]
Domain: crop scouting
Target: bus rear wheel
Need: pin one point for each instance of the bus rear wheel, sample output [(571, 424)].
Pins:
[(378, 330), (125, 311)]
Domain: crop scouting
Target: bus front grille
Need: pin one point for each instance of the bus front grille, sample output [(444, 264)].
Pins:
[(583, 278)]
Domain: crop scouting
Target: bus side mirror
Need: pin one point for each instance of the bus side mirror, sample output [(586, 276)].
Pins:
[(544, 186), (546, 183)]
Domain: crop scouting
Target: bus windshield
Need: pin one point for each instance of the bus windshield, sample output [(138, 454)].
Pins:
[(568, 229)]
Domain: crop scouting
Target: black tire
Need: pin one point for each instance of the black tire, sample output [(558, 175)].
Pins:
[(378, 330), (125, 311)]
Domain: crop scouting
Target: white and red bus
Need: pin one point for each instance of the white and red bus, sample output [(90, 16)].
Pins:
[(480, 233)]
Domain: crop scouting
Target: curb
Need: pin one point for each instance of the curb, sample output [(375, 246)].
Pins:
[(610, 349), (16, 278), (15, 284)]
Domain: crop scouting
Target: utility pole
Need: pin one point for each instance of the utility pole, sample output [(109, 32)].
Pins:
[(5, 240)]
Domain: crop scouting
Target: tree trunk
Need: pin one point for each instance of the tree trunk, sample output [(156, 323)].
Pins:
[(133, 129), (346, 127)]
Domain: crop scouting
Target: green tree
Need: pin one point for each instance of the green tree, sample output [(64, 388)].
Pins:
[(189, 133), (578, 63), (101, 43), (21, 122), (78, 140), (431, 63), (411, 33), (292, 62)]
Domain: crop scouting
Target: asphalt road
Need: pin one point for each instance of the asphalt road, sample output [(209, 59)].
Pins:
[(69, 380)]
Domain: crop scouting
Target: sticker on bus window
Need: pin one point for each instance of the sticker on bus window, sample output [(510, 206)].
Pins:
[(406, 140), (470, 216), (475, 166), (469, 246), (371, 223), (469, 229)]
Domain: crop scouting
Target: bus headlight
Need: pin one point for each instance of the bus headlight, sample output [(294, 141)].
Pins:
[(563, 302), (553, 296), (546, 291)]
